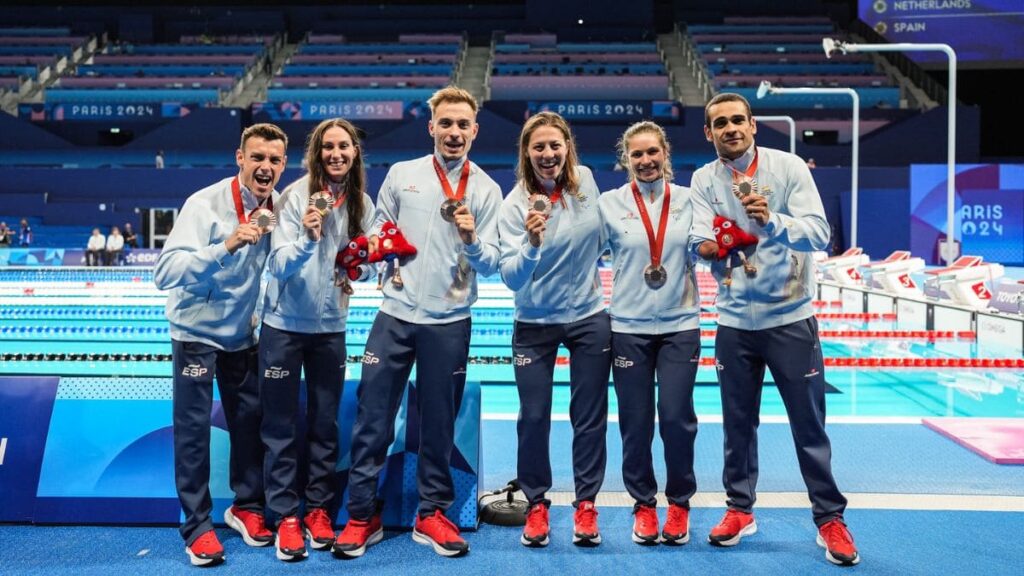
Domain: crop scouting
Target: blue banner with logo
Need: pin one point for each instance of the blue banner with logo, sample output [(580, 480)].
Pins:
[(38, 112), (25, 408), (594, 111), (350, 110)]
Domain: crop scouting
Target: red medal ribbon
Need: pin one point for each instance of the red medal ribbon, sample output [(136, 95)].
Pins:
[(339, 200), (236, 193), (748, 173), (656, 242), (459, 194)]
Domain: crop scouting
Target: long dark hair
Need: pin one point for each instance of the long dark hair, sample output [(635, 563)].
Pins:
[(355, 180)]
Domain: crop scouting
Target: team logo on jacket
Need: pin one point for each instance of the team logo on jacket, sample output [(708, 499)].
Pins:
[(369, 358), (411, 188), (623, 362), (521, 360), (275, 373), (194, 371)]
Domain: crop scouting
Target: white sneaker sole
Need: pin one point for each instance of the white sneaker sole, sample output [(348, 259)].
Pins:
[(421, 538), (747, 530), (833, 559), (288, 557), (317, 545), (235, 524), (534, 543), (197, 561), (374, 538), (644, 541), (584, 541)]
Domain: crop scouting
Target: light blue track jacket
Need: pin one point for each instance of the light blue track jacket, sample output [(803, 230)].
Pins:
[(636, 307), (557, 282), (213, 294), (301, 294), (440, 280), (781, 291)]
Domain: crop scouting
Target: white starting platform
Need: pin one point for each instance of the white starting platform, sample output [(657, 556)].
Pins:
[(893, 274), (964, 282), (844, 268)]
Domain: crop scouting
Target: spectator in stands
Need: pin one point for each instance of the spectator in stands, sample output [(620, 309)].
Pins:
[(131, 240), (765, 316), (304, 331), (211, 265), (95, 248), (115, 247), (5, 235), (558, 302), (24, 234), (655, 311), (811, 164), (427, 322), (158, 162)]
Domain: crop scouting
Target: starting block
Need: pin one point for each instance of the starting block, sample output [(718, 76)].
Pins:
[(843, 268), (964, 281), (893, 273)]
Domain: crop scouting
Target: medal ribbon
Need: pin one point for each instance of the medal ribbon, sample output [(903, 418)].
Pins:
[(340, 198), (456, 195), (236, 193), (656, 242), (747, 174), (463, 180), (555, 195)]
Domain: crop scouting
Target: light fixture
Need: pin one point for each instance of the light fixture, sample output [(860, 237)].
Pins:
[(766, 88), (831, 46)]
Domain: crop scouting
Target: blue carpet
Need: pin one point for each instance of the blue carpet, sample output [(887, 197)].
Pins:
[(902, 459), (891, 542)]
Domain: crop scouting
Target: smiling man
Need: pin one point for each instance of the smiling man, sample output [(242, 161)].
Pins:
[(447, 208), (765, 316), (211, 265)]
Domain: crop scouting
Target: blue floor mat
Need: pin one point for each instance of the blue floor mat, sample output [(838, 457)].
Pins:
[(893, 459), (891, 542)]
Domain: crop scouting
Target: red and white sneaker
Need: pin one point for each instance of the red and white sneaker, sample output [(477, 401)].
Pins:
[(250, 525), (291, 546), (438, 532), (357, 536), (535, 533), (318, 528), (645, 525), (837, 541), (205, 550), (584, 520), (733, 527), (677, 526)]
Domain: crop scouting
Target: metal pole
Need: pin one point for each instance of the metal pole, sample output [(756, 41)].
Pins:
[(792, 128)]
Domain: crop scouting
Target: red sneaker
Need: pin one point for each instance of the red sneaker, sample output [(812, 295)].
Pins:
[(733, 527), (250, 525), (205, 550), (438, 532), (357, 536), (585, 532), (837, 541), (318, 527), (645, 525), (535, 533), (290, 544), (677, 526)]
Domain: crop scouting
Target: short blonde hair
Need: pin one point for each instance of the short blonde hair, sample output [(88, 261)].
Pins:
[(453, 95), (645, 127)]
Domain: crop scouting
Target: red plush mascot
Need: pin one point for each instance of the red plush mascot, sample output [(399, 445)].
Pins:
[(732, 239), (391, 246)]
